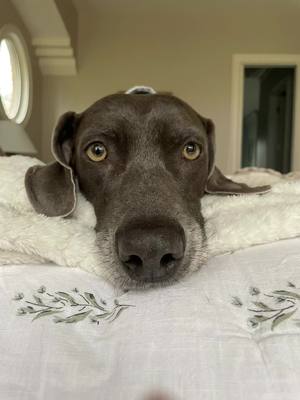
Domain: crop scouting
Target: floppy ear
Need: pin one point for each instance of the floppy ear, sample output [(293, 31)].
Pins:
[(51, 189), (217, 183)]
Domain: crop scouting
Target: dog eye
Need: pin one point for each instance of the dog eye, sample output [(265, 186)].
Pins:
[(191, 151), (96, 152)]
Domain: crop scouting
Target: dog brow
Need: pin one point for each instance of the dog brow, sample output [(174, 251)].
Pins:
[(96, 133), (179, 134)]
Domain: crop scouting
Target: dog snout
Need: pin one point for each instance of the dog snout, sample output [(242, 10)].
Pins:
[(150, 252)]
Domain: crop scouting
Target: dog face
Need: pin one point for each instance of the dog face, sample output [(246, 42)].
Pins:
[(143, 161)]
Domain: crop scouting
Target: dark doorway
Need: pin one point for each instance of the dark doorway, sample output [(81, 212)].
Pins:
[(268, 117)]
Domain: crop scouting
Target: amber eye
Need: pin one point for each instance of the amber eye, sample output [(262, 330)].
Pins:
[(96, 152), (191, 151)]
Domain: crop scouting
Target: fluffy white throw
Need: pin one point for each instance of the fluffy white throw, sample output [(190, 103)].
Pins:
[(232, 222)]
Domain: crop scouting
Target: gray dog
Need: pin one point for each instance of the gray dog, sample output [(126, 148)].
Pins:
[(143, 160)]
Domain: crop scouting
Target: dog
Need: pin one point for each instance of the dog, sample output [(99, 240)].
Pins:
[(143, 160)]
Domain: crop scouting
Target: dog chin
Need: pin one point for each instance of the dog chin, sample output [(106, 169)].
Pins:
[(123, 281), (120, 279)]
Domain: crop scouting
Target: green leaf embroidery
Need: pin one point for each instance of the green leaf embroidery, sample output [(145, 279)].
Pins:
[(282, 317), (45, 313), (261, 318), (254, 291), (75, 318), (42, 289), (252, 323), (67, 297), (262, 305), (82, 305), (91, 298), (38, 299), (101, 316), (18, 296), (30, 309), (236, 301), (119, 311), (284, 303), (287, 293)]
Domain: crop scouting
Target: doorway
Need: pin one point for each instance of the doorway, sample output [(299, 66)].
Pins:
[(260, 61), (267, 125)]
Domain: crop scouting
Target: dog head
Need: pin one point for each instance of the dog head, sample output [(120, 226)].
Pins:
[(144, 161)]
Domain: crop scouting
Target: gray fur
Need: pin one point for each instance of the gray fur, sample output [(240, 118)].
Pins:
[(145, 181)]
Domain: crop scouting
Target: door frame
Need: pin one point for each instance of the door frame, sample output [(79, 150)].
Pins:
[(239, 62)]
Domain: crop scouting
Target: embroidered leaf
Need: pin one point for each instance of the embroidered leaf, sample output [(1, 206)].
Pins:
[(101, 316), (74, 318), (42, 289), (55, 300), (282, 317), (287, 293), (91, 298), (38, 300), (57, 319), (119, 311), (261, 318), (236, 301), (45, 307), (30, 309), (280, 299), (262, 305), (18, 296), (252, 322), (67, 297), (254, 291), (45, 314)]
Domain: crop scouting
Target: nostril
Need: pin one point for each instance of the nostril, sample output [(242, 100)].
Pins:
[(167, 261), (150, 250), (134, 263)]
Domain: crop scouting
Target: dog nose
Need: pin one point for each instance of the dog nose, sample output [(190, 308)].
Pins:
[(150, 252)]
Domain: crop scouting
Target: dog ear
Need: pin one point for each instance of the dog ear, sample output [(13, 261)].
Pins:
[(217, 183), (51, 189)]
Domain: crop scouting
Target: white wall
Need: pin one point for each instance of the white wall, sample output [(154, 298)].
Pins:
[(183, 47)]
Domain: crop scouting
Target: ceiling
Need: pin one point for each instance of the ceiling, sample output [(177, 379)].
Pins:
[(97, 6)]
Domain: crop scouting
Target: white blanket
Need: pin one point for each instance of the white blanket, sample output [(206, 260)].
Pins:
[(198, 339), (232, 222)]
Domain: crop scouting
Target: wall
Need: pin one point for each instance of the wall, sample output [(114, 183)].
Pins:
[(8, 15), (69, 16), (185, 47)]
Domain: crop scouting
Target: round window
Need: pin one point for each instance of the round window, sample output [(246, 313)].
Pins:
[(15, 76)]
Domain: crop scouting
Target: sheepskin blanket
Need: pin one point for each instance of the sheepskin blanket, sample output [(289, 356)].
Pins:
[(232, 222)]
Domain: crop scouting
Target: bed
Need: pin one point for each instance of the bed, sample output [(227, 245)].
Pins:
[(229, 331)]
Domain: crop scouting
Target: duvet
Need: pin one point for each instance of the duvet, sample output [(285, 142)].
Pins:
[(230, 331)]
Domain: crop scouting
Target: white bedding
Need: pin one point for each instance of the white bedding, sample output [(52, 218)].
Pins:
[(194, 340), (232, 222)]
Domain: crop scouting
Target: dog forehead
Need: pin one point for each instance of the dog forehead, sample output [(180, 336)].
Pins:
[(132, 109)]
